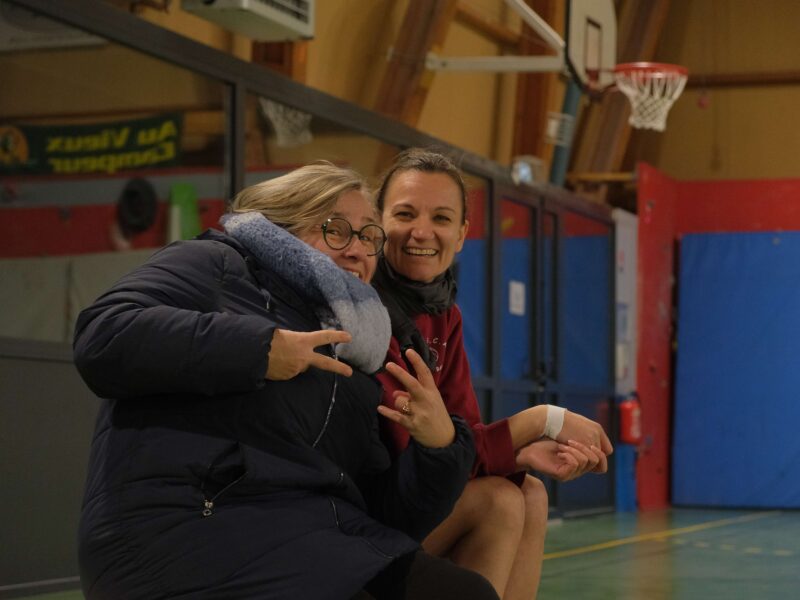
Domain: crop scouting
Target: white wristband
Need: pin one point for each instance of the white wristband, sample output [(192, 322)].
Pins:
[(554, 421)]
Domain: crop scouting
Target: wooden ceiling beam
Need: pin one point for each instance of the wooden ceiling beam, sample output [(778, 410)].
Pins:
[(718, 80), (406, 82), (287, 58), (535, 91), (471, 17), (624, 177)]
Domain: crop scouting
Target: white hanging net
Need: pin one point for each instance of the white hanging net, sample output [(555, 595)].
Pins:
[(652, 88), (292, 127)]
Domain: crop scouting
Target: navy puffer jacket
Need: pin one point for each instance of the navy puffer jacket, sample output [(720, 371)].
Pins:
[(207, 481)]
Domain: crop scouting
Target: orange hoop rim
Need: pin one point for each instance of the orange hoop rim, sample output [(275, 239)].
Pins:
[(653, 68)]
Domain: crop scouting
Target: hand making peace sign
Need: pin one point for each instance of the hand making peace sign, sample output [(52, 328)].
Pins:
[(421, 409), (292, 353)]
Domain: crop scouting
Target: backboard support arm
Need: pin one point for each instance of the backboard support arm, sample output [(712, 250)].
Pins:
[(527, 64)]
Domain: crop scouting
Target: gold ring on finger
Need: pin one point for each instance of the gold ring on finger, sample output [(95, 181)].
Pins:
[(406, 408)]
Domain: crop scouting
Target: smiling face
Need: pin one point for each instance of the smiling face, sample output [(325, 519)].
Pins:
[(354, 207), (422, 216)]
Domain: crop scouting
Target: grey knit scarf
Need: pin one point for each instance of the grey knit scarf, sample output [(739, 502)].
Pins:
[(340, 301)]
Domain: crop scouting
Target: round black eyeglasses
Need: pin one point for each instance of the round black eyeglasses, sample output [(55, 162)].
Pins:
[(338, 233)]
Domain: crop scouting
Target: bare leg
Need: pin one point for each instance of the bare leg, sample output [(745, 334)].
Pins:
[(483, 532), (523, 583)]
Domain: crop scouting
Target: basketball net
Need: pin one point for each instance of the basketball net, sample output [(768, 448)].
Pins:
[(292, 127), (652, 88)]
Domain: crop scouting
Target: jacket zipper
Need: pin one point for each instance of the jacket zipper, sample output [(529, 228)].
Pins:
[(330, 407), (208, 505)]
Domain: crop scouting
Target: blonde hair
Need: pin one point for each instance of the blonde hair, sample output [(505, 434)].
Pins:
[(302, 198)]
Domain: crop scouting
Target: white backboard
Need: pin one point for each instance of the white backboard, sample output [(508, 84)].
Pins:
[(591, 41)]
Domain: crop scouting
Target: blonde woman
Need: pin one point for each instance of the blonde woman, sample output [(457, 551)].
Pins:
[(236, 453)]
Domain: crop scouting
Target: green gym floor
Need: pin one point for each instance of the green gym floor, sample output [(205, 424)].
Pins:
[(674, 555), (678, 554)]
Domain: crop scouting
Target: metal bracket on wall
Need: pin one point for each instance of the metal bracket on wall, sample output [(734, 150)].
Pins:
[(529, 64)]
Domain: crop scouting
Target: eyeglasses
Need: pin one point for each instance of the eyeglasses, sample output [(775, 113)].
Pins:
[(338, 233)]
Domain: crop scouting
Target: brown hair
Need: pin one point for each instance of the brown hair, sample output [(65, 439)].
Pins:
[(426, 161), (302, 198)]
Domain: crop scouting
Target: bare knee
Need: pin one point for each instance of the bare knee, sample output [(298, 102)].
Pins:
[(536, 502), (504, 503), (489, 506)]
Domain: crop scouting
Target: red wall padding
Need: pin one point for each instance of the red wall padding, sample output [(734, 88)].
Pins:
[(733, 206), (81, 229), (657, 200)]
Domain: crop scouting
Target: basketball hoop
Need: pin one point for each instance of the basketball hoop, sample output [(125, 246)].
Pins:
[(652, 88)]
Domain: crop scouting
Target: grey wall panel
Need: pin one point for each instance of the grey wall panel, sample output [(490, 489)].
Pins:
[(46, 421)]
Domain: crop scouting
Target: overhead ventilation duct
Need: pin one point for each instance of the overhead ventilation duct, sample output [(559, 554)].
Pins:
[(261, 20)]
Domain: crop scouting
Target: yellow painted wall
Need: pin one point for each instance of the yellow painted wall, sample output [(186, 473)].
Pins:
[(349, 52), (105, 80), (347, 59), (472, 110), (744, 132)]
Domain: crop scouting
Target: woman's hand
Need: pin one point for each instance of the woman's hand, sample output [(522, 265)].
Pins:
[(421, 408), (579, 428), (292, 353), (562, 461)]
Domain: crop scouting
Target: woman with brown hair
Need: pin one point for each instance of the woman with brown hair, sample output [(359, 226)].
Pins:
[(497, 527)]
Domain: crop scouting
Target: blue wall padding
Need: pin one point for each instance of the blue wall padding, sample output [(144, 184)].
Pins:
[(549, 314), (473, 300), (584, 310), (516, 331), (589, 491), (510, 403), (737, 390), (625, 477), (585, 307)]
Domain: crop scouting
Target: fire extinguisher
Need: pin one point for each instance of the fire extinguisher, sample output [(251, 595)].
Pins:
[(630, 421)]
